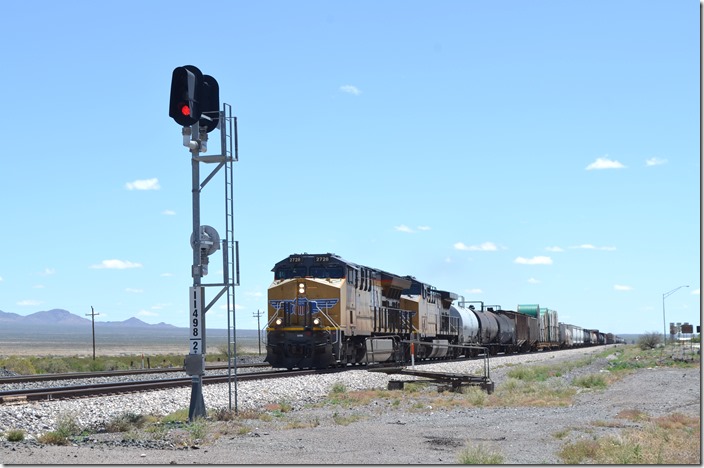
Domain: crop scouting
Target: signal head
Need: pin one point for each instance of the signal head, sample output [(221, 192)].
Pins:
[(186, 87), (210, 103)]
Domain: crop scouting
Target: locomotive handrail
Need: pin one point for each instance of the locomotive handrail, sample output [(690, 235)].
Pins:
[(336, 325), (273, 317)]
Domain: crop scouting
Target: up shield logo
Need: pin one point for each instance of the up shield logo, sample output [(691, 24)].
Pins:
[(301, 305)]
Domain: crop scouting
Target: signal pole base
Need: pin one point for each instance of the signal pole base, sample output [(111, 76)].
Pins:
[(197, 406)]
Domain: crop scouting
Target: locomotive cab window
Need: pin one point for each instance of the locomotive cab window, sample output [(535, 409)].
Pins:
[(332, 271), (288, 272), (414, 290), (318, 272), (336, 271)]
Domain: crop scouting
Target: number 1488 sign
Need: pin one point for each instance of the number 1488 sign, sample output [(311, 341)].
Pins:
[(196, 320)]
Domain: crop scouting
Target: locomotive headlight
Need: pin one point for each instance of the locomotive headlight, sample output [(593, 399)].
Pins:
[(316, 321), (278, 321), (301, 288)]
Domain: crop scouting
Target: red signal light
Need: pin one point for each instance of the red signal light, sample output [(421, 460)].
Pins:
[(186, 89)]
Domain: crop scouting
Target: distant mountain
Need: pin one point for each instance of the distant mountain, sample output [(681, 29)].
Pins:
[(61, 317), (56, 317), (133, 322), (9, 317)]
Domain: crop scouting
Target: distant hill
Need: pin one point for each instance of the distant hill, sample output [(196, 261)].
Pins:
[(133, 322), (9, 317), (61, 317)]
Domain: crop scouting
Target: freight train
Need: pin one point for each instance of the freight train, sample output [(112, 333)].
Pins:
[(325, 311)]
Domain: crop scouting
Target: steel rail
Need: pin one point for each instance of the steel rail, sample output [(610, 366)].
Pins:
[(115, 373), (56, 393)]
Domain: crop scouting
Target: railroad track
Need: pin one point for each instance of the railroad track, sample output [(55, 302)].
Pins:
[(113, 388), (115, 373)]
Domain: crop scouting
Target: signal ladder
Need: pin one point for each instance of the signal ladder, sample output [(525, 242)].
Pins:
[(228, 142)]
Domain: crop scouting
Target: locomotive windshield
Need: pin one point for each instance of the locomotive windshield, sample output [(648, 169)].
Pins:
[(331, 271), (312, 266), (290, 272)]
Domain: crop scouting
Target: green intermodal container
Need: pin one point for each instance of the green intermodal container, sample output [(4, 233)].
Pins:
[(529, 309)]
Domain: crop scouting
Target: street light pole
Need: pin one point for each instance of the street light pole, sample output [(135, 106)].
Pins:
[(667, 294)]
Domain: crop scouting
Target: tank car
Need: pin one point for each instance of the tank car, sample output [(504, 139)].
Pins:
[(591, 337), (486, 326)]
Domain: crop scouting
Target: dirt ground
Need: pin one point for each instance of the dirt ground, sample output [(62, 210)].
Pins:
[(406, 435)]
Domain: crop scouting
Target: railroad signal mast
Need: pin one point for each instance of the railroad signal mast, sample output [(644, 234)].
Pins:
[(195, 105)]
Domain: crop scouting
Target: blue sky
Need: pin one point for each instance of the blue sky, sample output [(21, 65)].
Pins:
[(512, 152)]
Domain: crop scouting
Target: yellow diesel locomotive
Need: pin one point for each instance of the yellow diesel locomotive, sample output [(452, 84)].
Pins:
[(324, 310)]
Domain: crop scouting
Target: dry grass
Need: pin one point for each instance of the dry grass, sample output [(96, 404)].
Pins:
[(671, 439), (479, 455), (633, 415)]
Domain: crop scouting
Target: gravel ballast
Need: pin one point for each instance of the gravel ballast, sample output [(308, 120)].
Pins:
[(385, 434)]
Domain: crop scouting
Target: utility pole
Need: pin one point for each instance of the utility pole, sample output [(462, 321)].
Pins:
[(259, 330), (664, 296), (92, 316)]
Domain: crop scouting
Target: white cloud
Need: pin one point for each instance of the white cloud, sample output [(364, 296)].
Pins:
[(116, 265), (48, 272), (144, 184), (621, 287), (473, 291), (696, 291), (655, 162), (484, 247), (554, 249), (539, 260), (168, 212), (605, 163), (166, 274), (349, 89), (533, 281), (591, 247), (1, 280), (403, 228), (29, 302), (134, 290)]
